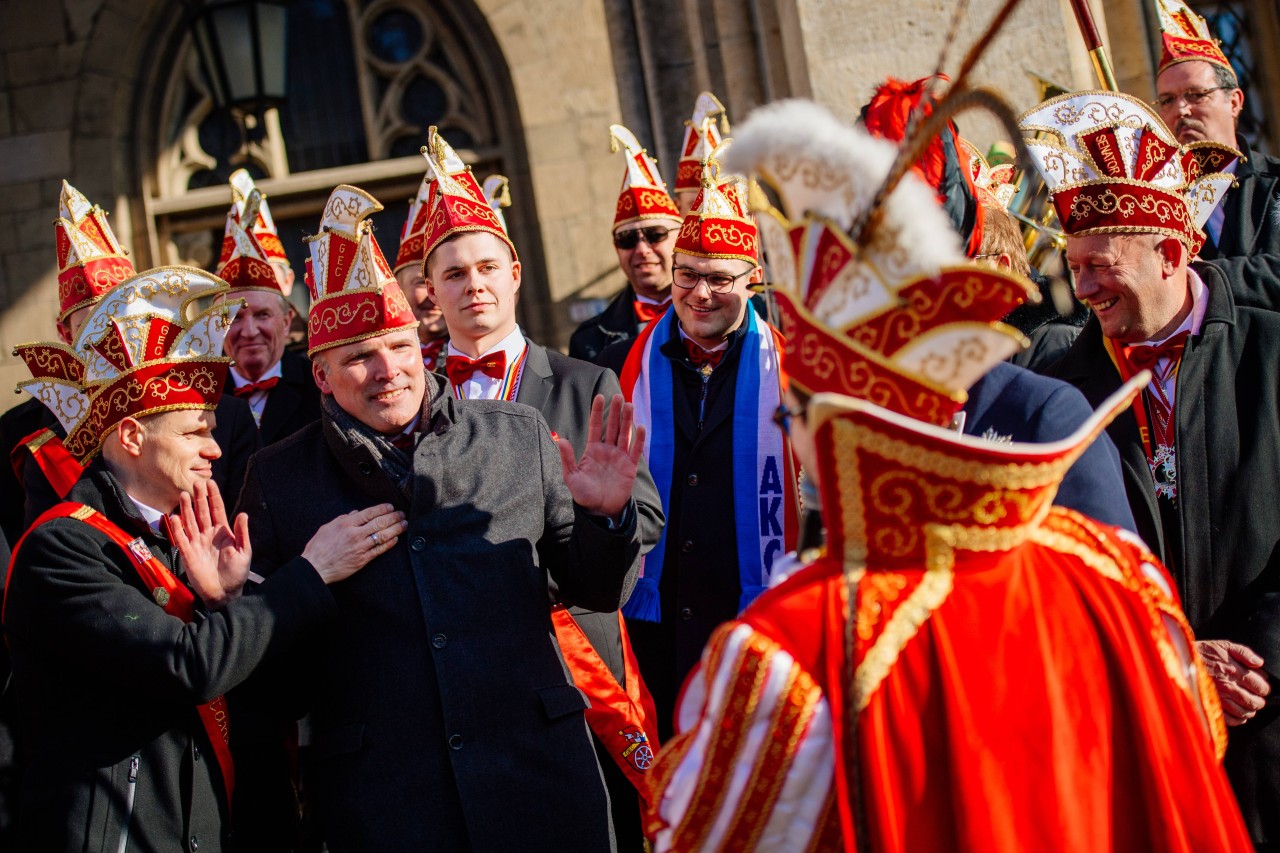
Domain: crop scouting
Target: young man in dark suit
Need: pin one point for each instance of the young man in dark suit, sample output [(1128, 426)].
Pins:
[(474, 267)]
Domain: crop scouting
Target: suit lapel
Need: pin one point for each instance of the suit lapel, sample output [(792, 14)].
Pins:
[(282, 401), (535, 382)]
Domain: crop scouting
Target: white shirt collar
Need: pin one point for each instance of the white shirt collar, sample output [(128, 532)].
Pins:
[(150, 515), (513, 344), (722, 345), (649, 301)]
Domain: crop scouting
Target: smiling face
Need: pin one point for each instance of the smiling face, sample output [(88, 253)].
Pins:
[(1214, 118), (1135, 284), (256, 339), (647, 266), (159, 457), (431, 323), (710, 317), (378, 381), (475, 282)]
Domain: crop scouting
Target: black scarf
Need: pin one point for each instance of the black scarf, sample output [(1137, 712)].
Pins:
[(397, 464)]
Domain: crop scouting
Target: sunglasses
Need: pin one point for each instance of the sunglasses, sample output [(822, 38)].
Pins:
[(652, 235)]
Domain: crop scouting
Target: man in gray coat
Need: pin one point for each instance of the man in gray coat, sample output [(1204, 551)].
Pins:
[(442, 714)]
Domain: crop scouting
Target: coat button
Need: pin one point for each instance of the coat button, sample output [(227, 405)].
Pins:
[(418, 543), (455, 742), (686, 613), (693, 479), (439, 641), (195, 842), (687, 546), (442, 426), (195, 752), (366, 468)]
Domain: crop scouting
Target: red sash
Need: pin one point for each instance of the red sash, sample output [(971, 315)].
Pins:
[(621, 719), (58, 466), (167, 591)]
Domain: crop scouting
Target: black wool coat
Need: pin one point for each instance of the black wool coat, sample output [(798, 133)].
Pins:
[(616, 323), (293, 403), (562, 388), (1224, 553), (108, 683), (442, 715), (1251, 225)]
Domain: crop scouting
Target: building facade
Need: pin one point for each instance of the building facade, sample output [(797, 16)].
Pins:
[(107, 94)]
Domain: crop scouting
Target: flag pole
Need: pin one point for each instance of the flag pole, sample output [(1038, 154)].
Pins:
[(1093, 41)]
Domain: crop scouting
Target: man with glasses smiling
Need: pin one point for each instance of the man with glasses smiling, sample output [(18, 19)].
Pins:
[(705, 382), (1199, 98), (644, 234)]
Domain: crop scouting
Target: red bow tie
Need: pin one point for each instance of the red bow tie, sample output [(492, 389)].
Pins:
[(1145, 357), (647, 312), (700, 356), (254, 387), (460, 368), (431, 353)]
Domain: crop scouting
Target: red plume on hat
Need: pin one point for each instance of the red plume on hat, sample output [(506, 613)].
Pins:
[(354, 294), (90, 259), (643, 195), (940, 166), (1184, 37), (139, 352)]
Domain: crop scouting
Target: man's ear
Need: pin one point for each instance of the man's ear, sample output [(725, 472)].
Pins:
[(319, 373), (1235, 99), (132, 435), (1173, 254), (757, 275), (64, 331), (515, 275)]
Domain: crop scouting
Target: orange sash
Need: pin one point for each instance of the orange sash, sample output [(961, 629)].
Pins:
[(167, 591), (619, 718), (58, 466)]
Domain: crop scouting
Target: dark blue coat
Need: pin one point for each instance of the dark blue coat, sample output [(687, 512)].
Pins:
[(1017, 404)]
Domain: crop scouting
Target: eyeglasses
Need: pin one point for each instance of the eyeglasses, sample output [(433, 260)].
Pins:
[(653, 235), (686, 278), (782, 417), (1193, 97)]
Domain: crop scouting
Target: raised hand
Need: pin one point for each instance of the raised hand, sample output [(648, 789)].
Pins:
[(601, 480), (342, 547), (215, 556)]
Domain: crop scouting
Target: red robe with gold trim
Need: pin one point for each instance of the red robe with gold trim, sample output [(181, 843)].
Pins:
[(1025, 679)]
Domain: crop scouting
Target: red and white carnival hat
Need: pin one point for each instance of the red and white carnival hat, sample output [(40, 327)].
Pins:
[(414, 234), (994, 184), (497, 191), (701, 136), (354, 294), (243, 264), (643, 195), (261, 225), (1113, 168), (719, 224), (457, 203), (906, 321), (91, 260), (143, 350), (1184, 36)]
